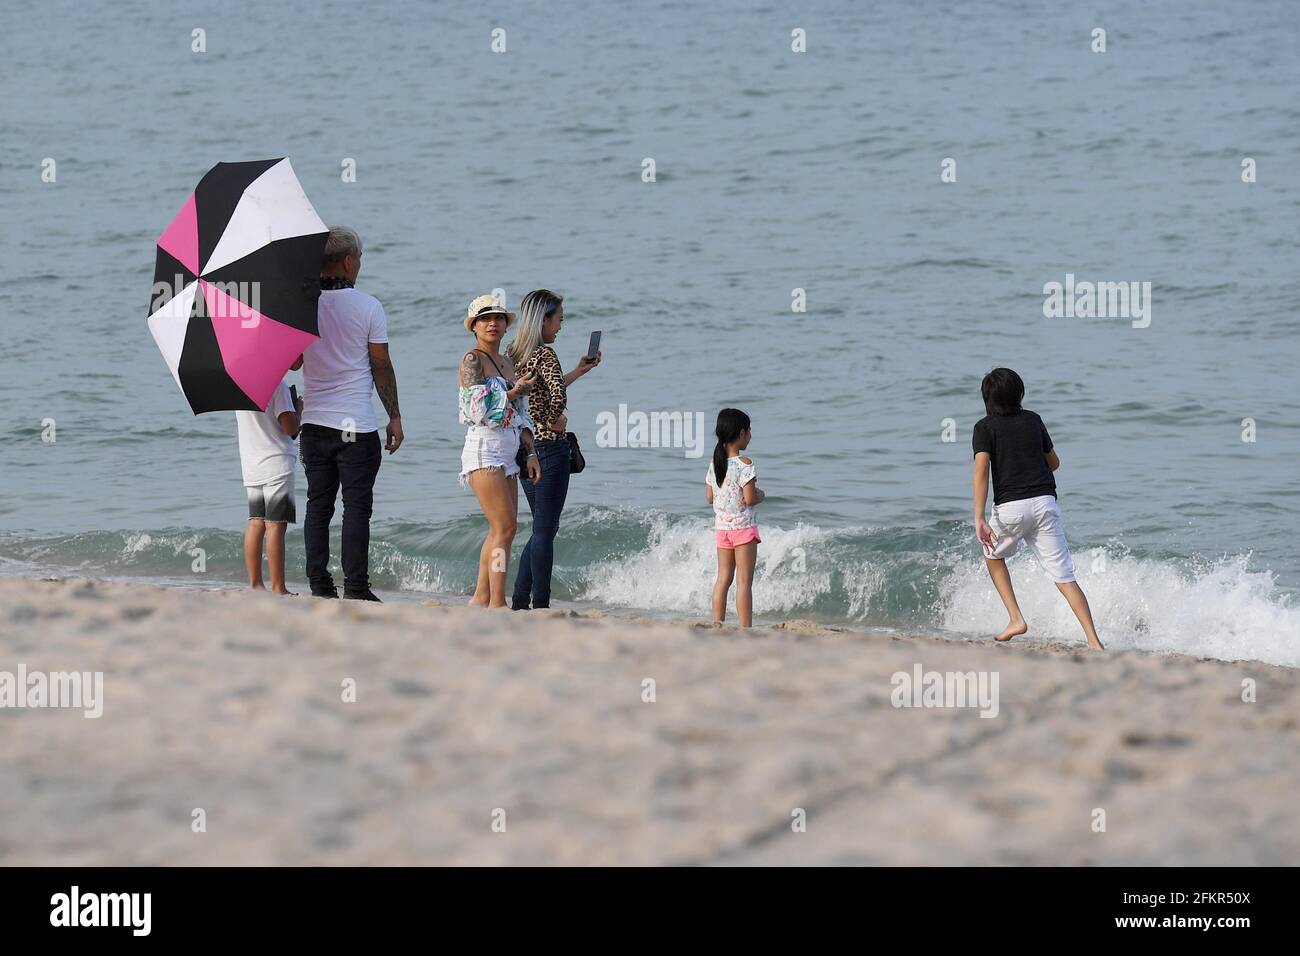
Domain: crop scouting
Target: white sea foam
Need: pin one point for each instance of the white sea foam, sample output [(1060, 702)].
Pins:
[(1218, 609), (677, 568), (412, 573), (1213, 609), (142, 542)]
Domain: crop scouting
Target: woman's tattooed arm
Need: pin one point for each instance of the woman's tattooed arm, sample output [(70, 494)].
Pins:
[(471, 371)]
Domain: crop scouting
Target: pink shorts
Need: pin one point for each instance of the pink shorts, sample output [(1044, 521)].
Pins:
[(734, 539)]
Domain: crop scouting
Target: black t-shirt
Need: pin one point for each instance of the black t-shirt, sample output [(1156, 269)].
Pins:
[(1017, 445)]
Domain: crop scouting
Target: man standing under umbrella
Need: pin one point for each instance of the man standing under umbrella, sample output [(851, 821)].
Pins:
[(340, 437)]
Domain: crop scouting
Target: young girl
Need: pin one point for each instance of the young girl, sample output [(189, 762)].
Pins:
[(731, 488)]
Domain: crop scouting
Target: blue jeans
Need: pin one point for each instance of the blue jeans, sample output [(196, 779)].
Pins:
[(545, 501)]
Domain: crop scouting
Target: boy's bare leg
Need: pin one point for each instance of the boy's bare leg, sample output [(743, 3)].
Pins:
[(253, 552), (275, 555), (726, 571), (1002, 581), (1079, 605), (746, 558)]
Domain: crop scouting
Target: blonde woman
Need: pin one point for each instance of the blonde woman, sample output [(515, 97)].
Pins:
[(542, 315), (492, 405)]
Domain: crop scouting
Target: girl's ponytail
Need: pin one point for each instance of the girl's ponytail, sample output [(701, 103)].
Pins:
[(719, 463), (731, 423)]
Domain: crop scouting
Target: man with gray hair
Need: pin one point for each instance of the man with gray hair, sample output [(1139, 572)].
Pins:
[(340, 436)]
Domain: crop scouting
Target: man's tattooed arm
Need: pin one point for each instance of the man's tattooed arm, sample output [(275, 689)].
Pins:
[(381, 369)]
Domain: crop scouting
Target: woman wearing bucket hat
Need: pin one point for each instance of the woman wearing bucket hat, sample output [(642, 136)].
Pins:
[(531, 350), (493, 405)]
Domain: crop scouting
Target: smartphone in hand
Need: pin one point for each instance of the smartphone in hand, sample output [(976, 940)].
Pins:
[(593, 346)]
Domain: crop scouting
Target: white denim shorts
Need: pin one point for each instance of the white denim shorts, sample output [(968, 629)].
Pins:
[(1036, 522), (487, 447)]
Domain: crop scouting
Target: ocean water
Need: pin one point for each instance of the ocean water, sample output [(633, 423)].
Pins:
[(775, 171)]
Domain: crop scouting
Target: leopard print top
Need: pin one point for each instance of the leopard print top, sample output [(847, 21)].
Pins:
[(549, 397)]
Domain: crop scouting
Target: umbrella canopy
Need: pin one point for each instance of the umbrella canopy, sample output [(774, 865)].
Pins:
[(236, 285)]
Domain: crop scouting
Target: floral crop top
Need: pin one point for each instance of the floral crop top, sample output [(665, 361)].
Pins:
[(488, 404)]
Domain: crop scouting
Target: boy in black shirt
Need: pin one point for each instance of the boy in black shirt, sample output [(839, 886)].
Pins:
[(1014, 444)]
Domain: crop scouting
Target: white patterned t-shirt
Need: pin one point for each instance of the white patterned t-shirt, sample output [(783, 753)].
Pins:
[(730, 512)]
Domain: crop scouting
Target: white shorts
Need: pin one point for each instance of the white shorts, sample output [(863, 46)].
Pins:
[(1036, 522), (487, 447)]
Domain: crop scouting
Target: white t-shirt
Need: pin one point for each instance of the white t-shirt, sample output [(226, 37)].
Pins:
[(729, 509), (265, 451), (337, 382)]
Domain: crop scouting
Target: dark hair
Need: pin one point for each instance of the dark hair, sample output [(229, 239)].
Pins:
[(1003, 390), (731, 422)]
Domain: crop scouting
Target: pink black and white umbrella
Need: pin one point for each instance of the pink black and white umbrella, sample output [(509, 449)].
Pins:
[(236, 285)]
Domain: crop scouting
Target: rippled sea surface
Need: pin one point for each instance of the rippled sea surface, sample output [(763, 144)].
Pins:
[(776, 171)]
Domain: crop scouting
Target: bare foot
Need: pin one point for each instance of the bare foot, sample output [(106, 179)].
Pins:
[(256, 587), (1014, 629), (285, 592), (476, 603), (1095, 644)]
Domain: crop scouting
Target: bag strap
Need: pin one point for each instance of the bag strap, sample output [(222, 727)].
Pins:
[(494, 365)]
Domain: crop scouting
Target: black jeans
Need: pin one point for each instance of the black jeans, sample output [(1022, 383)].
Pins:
[(332, 463), (546, 502)]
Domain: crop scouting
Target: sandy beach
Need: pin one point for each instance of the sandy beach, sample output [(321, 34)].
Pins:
[(499, 738)]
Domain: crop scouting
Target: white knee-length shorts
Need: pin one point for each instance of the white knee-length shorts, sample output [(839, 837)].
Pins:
[(1036, 522)]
